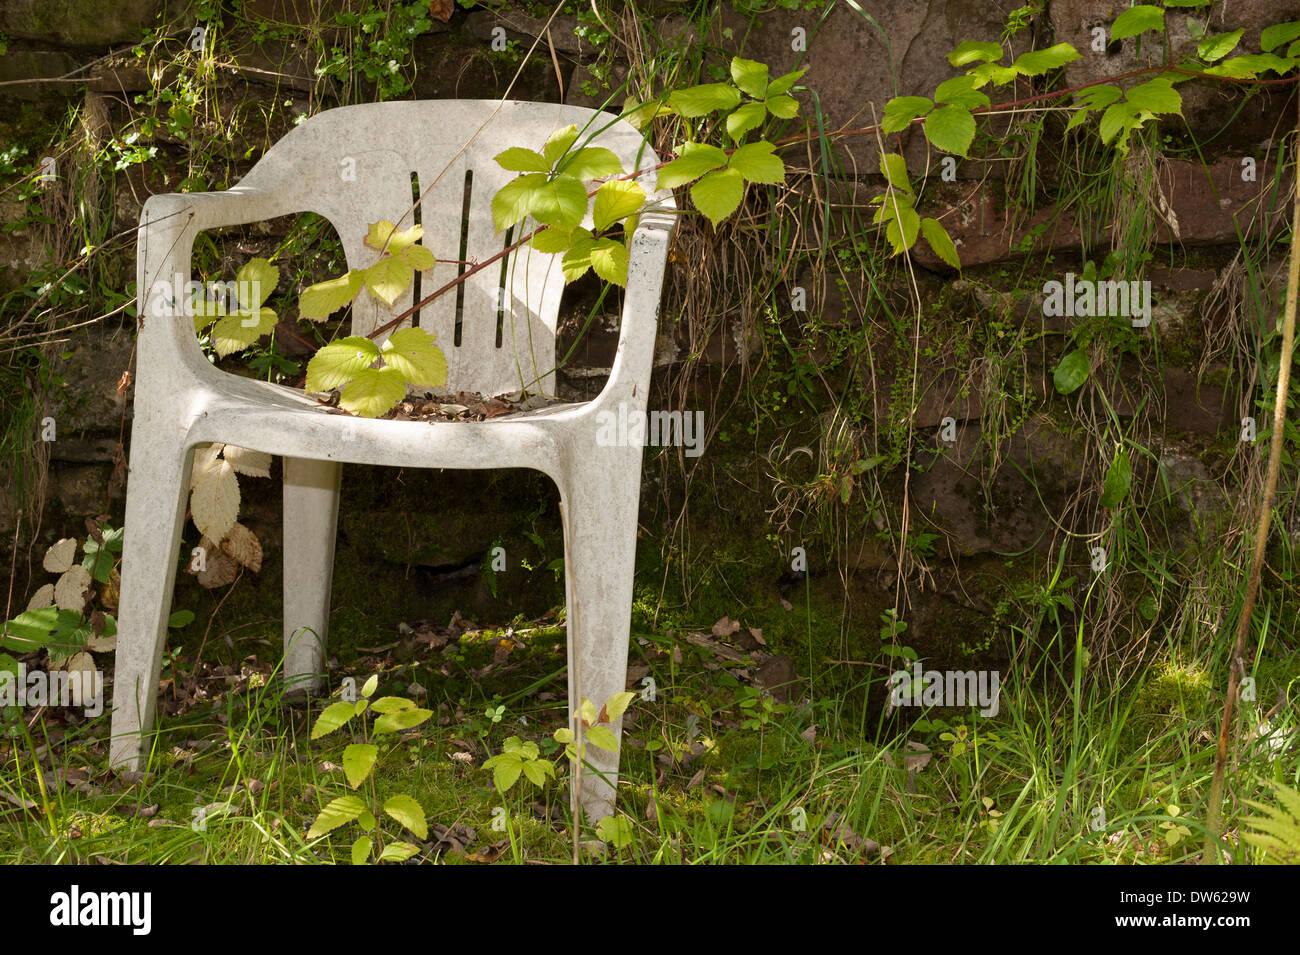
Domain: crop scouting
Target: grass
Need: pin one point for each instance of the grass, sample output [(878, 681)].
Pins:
[(714, 769)]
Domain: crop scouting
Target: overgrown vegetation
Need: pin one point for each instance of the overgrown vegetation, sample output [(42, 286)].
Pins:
[(843, 365)]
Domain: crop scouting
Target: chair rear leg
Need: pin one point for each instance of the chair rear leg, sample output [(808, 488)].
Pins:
[(600, 520), (155, 512), (311, 509)]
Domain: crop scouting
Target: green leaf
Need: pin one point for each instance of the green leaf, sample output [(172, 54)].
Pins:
[(894, 168), (750, 76), (563, 735), (617, 704), (391, 704), (940, 241), (783, 84), (398, 852), (603, 737), (409, 814), (384, 236), (992, 73), (1274, 36), (562, 202), (358, 760), (318, 302), (387, 279), (558, 144), (614, 200), (514, 201), (1216, 47), (181, 618), (505, 771), (255, 282), (411, 352), (1090, 100), (1118, 120), (694, 160), (518, 159), (609, 260), (950, 129), (904, 238), (615, 830), (401, 720), (368, 688), (701, 100), (718, 194), (339, 362), (537, 771), (960, 91), (757, 164), (901, 110), (577, 259), (748, 117), (594, 162), (1156, 96), (1137, 20), (1037, 62), (974, 51), (1119, 477), (29, 630), (1072, 371), (373, 391), (337, 813), (1251, 65), (782, 107), (551, 240), (236, 332), (334, 716), (361, 851)]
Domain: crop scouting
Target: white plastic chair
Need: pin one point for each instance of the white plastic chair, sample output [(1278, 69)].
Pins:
[(355, 165)]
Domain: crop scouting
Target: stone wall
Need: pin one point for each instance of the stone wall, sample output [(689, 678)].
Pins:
[(65, 54)]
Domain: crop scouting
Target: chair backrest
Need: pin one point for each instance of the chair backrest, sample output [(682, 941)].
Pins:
[(357, 164)]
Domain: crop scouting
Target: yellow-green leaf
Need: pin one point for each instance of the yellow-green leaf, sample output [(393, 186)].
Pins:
[(514, 201), (371, 393), (609, 259), (358, 760), (718, 194), (361, 851), (594, 162), (694, 160), (745, 118), (750, 76), (256, 281), (387, 279), (757, 164), (318, 302), (384, 235), (334, 716), (417, 257), (518, 159), (339, 362), (409, 814), (940, 241), (559, 142), (411, 352), (337, 813), (614, 200)]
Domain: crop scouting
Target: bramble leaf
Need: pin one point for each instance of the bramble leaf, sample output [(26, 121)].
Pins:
[(950, 129), (372, 392), (339, 362), (318, 302), (718, 194)]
